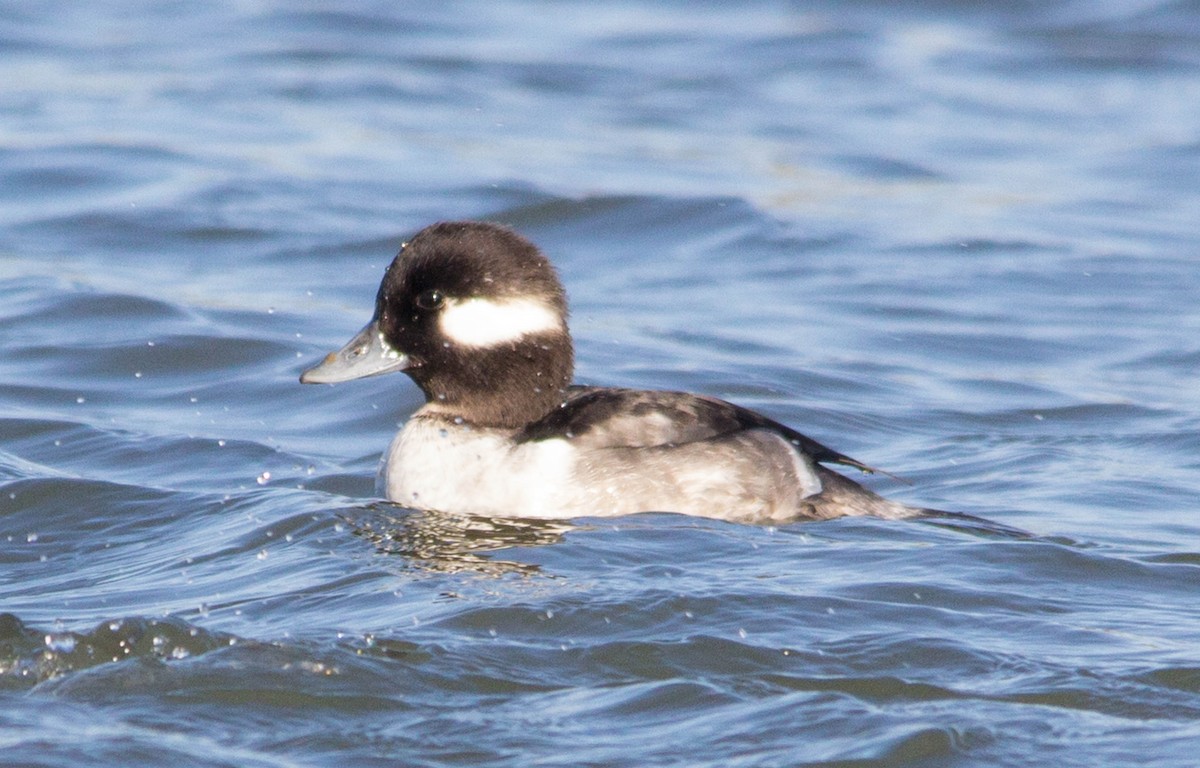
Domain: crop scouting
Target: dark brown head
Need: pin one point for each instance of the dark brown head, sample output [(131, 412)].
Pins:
[(476, 315)]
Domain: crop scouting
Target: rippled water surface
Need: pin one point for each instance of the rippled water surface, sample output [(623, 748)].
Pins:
[(960, 241)]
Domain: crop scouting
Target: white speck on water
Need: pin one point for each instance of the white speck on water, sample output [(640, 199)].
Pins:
[(31, 538), (264, 478), (81, 400), (64, 643)]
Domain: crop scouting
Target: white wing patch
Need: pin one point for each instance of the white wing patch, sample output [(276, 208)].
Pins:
[(487, 322)]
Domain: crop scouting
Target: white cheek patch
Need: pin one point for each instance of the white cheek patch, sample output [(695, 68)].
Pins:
[(488, 322)]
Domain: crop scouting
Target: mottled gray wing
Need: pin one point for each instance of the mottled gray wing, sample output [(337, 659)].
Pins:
[(608, 418)]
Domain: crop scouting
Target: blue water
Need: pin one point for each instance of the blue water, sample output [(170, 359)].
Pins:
[(959, 241)]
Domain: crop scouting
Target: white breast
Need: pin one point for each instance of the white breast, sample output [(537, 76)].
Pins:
[(751, 476), (457, 468)]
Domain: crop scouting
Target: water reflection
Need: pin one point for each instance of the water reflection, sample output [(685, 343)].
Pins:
[(448, 543), (441, 542), (983, 527)]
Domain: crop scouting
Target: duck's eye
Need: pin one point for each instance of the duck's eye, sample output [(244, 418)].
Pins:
[(431, 299)]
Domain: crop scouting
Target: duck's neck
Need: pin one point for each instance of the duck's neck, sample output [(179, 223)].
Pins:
[(502, 388)]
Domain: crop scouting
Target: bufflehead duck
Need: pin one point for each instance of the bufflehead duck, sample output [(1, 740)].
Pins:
[(477, 317)]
